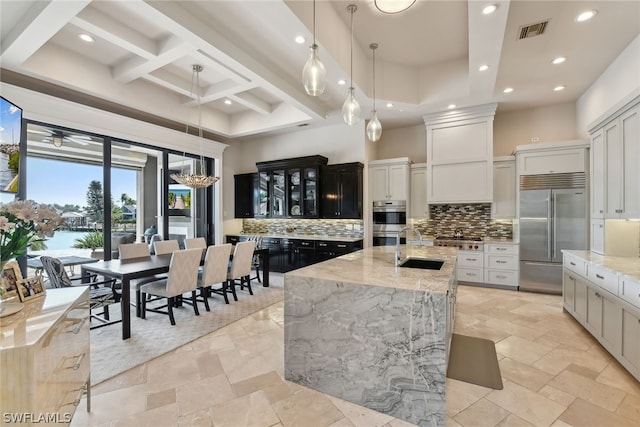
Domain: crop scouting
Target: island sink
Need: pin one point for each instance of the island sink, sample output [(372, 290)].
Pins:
[(426, 264)]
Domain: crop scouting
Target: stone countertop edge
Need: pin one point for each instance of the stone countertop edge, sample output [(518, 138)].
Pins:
[(504, 240), (626, 266), (302, 237), (375, 266)]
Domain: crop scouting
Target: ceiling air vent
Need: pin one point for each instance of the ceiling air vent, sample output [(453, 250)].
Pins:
[(532, 30)]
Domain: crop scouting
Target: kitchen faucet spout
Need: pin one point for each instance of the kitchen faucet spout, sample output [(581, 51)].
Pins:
[(405, 229)]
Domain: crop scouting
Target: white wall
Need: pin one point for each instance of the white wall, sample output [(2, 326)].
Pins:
[(549, 123), (408, 142), (619, 80)]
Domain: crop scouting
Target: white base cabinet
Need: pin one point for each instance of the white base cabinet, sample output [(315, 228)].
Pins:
[(607, 304), (502, 264)]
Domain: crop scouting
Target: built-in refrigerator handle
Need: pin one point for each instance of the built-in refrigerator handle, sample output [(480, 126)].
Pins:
[(549, 218), (553, 218)]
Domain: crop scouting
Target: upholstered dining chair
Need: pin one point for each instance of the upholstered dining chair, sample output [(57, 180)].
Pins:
[(138, 250), (196, 242), (240, 268), (182, 278), (256, 258), (101, 293), (154, 238), (163, 247), (214, 271)]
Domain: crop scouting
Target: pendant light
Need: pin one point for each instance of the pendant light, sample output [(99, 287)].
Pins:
[(314, 75), (195, 180), (374, 128), (351, 107)]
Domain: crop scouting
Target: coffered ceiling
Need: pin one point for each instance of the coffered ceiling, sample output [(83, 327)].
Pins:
[(141, 60)]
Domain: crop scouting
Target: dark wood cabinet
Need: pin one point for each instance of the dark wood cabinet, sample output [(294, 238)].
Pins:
[(341, 191), (327, 249), (246, 194), (290, 187)]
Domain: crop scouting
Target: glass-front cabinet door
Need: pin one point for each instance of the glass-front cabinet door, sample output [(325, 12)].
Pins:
[(263, 208), (295, 193), (278, 194), (310, 180)]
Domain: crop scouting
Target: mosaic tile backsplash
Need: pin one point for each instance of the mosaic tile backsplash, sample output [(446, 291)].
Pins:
[(319, 227), (474, 220)]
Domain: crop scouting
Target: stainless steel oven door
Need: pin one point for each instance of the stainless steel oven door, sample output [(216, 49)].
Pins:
[(387, 239), (390, 213)]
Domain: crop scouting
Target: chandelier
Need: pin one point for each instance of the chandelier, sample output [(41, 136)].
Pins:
[(195, 180)]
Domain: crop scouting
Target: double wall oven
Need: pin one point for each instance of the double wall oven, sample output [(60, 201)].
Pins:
[(389, 217)]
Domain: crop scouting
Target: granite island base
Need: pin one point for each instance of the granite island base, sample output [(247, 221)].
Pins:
[(363, 330)]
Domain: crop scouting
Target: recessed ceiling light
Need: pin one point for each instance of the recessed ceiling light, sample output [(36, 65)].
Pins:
[(227, 101), (86, 37), (483, 67), (585, 16), (342, 82), (508, 90), (488, 10), (451, 106), (559, 88), (558, 60), (300, 39), (389, 105)]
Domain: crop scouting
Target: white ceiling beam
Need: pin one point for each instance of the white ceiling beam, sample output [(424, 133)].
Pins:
[(224, 89), (107, 28), (41, 23), (209, 62), (252, 102), (172, 49)]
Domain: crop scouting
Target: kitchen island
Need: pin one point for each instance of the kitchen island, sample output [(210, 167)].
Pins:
[(359, 328)]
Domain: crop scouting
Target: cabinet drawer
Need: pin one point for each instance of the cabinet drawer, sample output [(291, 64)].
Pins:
[(501, 262), (630, 291), (470, 274), (575, 264), (493, 248), (606, 279), (470, 259), (501, 277)]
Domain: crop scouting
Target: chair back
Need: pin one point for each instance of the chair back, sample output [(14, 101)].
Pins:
[(162, 247), (242, 259), (58, 277), (196, 242), (257, 239), (134, 250), (216, 263), (152, 240), (183, 271)]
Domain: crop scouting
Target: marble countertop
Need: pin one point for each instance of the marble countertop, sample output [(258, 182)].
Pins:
[(627, 266), (375, 266), (432, 239), (302, 236), (30, 324)]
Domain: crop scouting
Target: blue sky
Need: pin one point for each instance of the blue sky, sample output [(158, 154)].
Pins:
[(10, 117), (52, 181)]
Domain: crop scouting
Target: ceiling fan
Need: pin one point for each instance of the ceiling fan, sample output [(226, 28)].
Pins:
[(58, 137)]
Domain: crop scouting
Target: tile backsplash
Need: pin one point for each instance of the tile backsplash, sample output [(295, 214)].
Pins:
[(319, 227), (474, 220)]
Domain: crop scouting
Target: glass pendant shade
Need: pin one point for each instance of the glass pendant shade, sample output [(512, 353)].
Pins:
[(314, 75), (393, 6), (374, 128), (351, 109)]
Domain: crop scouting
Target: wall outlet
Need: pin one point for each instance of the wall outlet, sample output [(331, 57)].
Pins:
[(535, 139)]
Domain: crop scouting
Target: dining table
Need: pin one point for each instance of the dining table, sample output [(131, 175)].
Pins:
[(135, 268), (67, 261)]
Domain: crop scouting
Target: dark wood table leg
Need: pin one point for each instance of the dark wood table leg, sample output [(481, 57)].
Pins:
[(265, 268), (126, 312)]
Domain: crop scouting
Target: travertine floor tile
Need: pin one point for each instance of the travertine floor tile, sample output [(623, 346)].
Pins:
[(630, 407), (129, 378), (559, 359), (616, 376), (522, 350), (461, 395), (307, 405), (161, 398), (514, 421), (198, 395), (532, 407), (151, 418), (196, 419), (111, 406), (589, 390), (251, 410), (582, 413), (481, 413), (556, 395), (171, 370), (525, 375), (208, 364)]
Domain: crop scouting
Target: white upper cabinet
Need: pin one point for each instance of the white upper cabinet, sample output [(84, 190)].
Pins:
[(504, 188), (389, 179), (615, 164), (460, 155), (418, 207)]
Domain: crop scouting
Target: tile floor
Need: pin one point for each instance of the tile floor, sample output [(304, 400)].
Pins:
[(554, 373)]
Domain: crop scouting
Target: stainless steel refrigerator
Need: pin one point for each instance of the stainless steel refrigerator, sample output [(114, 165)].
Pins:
[(553, 217)]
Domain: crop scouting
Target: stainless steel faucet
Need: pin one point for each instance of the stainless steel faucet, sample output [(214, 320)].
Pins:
[(417, 233)]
